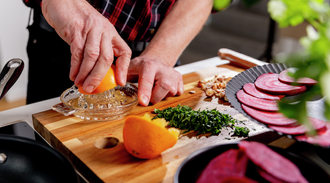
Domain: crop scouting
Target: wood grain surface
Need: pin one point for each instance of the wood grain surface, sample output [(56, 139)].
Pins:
[(76, 138)]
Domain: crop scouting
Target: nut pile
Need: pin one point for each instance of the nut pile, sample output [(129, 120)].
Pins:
[(215, 87)]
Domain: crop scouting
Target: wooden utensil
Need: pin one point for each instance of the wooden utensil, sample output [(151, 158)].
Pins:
[(239, 59)]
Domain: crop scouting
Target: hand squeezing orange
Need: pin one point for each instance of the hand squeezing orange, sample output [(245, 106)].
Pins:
[(108, 82), (145, 138)]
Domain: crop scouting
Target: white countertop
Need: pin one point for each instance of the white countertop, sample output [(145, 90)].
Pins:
[(24, 113)]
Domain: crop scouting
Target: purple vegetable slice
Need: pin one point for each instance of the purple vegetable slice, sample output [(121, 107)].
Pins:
[(258, 103), (270, 118), (321, 139), (269, 83), (250, 89), (231, 163), (299, 129), (267, 176), (285, 78), (238, 180), (272, 162)]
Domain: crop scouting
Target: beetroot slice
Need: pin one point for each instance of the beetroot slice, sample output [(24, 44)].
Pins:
[(272, 162), (269, 83), (291, 130), (299, 129), (231, 163), (271, 118), (250, 89), (238, 180), (258, 103), (267, 176), (285, 78), (321, 139)]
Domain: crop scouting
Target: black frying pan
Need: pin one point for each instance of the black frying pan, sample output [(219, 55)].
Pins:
[(26, 160), (9, 75)]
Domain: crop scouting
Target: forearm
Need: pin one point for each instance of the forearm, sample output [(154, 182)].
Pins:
[(177, 30)]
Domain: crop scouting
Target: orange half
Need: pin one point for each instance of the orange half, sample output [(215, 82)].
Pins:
[(108, 82), (145, 138)]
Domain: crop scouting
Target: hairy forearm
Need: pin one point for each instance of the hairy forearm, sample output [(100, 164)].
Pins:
[(179, 27)]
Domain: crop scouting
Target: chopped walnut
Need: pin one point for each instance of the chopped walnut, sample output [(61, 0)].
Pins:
[(215, 87), (209, 92)]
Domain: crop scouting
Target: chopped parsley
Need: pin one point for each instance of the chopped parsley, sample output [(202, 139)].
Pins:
[(241, 131), (202, 121)]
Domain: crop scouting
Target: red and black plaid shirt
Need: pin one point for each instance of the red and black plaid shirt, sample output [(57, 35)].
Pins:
[(135, 20)]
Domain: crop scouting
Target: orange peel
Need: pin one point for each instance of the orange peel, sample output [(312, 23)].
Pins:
[(145, 138), (109, 81)]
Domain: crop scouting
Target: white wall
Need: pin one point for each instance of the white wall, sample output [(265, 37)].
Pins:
[(13, 40)]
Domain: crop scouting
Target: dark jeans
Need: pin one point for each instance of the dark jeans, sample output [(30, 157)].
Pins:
[(49, 65)]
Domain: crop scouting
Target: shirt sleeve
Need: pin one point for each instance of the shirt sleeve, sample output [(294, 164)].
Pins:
[(32, 3)]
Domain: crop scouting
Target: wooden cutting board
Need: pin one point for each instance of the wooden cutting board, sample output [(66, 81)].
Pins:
[(76, 138)]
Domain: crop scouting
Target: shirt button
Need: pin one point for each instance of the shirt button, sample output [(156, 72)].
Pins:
[(152, 31)]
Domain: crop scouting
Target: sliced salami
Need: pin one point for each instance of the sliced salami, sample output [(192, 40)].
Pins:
[(272, 162), (269, 83), (250, 89), (285, 78), (258, 103), (321, 139), (270, 118), (299, 129), (231, 163)]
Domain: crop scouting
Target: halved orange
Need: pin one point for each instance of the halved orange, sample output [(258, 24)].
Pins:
[(145, 138), (108, 82)]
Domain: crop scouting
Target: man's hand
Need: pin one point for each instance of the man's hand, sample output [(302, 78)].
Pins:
[(156, 80), (154, 67), (93, 41)]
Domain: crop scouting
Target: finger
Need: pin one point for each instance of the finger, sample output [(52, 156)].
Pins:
[(163, 88), (90, 56), (101, 67), (123, 54), (146, 83), (180, 86), (77, 49)]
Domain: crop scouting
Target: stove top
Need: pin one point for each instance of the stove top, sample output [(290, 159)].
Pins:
[(22, 129)]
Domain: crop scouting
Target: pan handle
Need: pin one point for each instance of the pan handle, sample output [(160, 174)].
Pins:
[(9, 75), (239, 59)]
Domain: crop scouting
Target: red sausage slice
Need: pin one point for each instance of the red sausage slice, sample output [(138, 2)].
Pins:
[(272, 162), (285, 78), (269, 83), (250, 89), (258, 103), (270, 118)]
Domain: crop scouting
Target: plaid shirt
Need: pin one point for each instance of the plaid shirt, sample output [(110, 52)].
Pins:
[(135, 20)]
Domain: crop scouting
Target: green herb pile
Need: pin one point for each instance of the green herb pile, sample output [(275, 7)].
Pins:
[(241, 131), (202, 121)]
